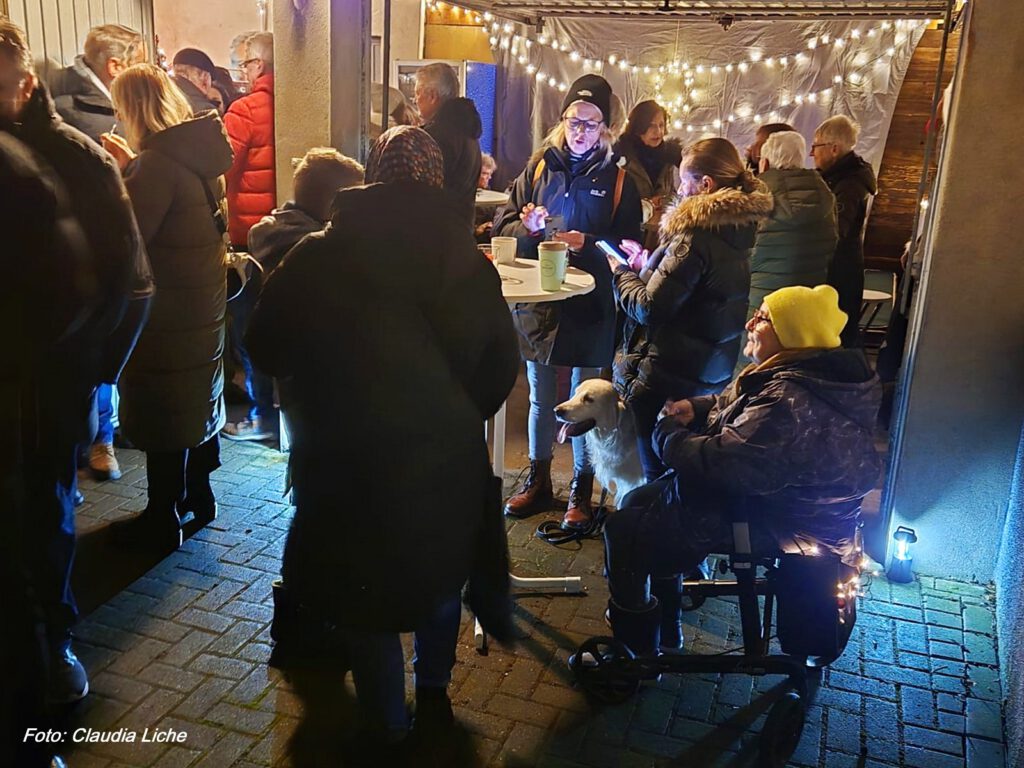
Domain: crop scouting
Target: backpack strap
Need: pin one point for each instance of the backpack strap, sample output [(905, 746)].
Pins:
[(538, 171), (620, 179)]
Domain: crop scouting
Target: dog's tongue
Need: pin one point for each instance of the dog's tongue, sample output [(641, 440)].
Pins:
[(563, 433)]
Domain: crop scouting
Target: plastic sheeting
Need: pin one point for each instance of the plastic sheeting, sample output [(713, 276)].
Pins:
[(869, 77)]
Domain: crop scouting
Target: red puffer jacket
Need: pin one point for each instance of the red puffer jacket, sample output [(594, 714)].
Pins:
[(252, 185)]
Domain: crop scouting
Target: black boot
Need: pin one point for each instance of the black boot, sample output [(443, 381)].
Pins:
[(639, 630), (151, 529), (670, 595)]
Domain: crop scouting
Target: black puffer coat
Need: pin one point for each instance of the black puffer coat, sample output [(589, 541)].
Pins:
[(457, 128), (172, 389), (793, 435), (684, 325), (398, 346), (853, 183), (579, 331)]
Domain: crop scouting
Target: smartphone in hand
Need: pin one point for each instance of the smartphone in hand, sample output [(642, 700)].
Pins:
[(610, 250), (553, 225)]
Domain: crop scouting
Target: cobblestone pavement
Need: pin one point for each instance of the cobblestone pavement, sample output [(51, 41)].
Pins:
[(185, 645)]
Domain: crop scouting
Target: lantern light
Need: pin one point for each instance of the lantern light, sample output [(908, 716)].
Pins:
[(901, 567)]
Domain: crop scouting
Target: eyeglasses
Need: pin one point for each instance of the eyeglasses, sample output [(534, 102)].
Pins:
[(758, 318), (820, 144), (247, 62), (587, 126)]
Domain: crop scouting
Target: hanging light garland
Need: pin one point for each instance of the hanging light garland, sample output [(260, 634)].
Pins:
[(523, 48)]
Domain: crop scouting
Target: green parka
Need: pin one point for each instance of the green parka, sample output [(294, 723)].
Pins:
[(172, 388), (795, 244)]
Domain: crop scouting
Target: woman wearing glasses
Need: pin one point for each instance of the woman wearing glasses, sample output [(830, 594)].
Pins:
[(573, 179)]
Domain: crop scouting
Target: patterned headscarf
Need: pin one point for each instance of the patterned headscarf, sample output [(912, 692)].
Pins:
[(405, 153)]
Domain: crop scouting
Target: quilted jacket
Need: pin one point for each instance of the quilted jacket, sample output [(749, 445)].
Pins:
[(252, 181)]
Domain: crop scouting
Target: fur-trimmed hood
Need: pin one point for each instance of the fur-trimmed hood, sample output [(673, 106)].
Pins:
[(726, 207)]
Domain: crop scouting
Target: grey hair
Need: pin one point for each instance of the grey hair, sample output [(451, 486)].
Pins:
[(111, 41), (839, 130), (784, 150), (261, 46), (238, 43), (441, 78)]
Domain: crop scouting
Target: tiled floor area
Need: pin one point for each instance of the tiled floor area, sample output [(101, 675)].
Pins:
[(185, 645)]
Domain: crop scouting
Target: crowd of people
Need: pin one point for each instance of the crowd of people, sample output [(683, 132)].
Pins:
[(138, 183)]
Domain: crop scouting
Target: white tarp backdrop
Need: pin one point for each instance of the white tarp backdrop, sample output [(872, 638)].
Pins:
[(715, 82)]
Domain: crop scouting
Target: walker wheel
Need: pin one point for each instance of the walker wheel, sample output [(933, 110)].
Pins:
[(603, 667), (782, 730)]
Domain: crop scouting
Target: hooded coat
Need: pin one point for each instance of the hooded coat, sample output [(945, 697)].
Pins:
[(796, 242), (662, 187), (793, 436), (394, 346), (252, 178), (172, 387), (683, 326), (579, 331), (457, 129), (274, 235), (80, 101), (852, 181)]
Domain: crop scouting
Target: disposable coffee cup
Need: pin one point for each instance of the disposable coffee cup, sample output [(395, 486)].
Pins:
[(554, 260), (504, 249)]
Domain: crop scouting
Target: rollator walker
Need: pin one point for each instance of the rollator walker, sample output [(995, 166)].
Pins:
[(812, 601)]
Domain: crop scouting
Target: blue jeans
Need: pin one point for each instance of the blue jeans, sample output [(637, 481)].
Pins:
[(258, 386), (105, 414), (543, 399), (378, 665)]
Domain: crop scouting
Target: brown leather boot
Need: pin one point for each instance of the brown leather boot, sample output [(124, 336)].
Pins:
[(536, 494), (579, 514)]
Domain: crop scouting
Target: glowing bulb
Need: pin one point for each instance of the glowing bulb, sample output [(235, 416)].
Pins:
[(756, 56), (529, 43), (812, 43), (731, 119), (700, 69), (837, 79), (886, 25), (743, 66), (798, 99), (784, 103), (814, 549), (612, 59), (825, 39), (769, 62), (530, 68), (728, 67), (689, 129), (686, 107), (542, 39), (647, 70), (872, 33), (574, 56), (694, 94), (811, 97), (494, 41), (839, 42), (717, 123), (487, 16), (523, 59), (507, 28), (714, 70), (623, 65), (757, 118), (801, 57), (678, 125), (552, 82), (540, 76), (855, 34), (505, 43), (856, 77)]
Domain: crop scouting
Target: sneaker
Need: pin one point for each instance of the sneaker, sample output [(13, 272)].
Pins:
[(103, 463), (246, 430), (78, 499), (68, 680)]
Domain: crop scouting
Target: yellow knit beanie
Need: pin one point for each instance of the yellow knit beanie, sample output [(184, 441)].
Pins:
[(806, 317)]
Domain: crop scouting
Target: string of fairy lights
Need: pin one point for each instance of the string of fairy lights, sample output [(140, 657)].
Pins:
[(692, 84)]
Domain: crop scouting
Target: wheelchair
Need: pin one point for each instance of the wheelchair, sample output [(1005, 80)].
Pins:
[(811, 599)]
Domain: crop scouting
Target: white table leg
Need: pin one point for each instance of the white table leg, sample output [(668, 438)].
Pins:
[(570, 585), (499, 442), (285, 435)]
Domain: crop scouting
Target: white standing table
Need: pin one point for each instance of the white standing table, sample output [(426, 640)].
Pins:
[(520, 284)]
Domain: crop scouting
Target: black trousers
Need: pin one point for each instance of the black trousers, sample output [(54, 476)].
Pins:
[(655, 534), (178, 480), (646, 408)]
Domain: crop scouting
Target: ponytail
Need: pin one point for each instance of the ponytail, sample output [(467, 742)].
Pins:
[(746, 181), (719, 159)]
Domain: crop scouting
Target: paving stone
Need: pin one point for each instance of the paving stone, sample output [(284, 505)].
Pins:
[(934, 740), (186, 646), (985, 754), (984, 719)]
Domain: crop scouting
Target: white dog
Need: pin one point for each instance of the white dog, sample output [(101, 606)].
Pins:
[(597, 411)]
